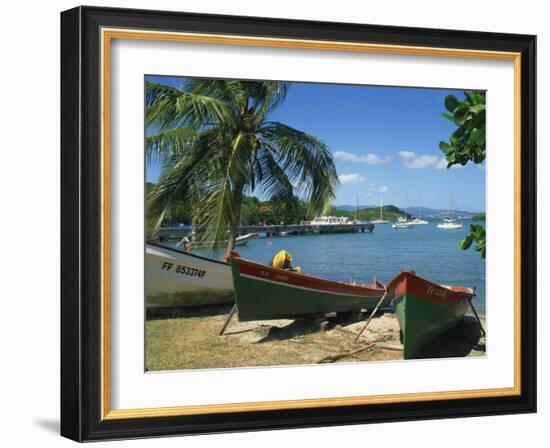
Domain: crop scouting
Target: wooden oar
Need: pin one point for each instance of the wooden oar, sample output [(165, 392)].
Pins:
[(475, 314), (372, 315), (226, 323)]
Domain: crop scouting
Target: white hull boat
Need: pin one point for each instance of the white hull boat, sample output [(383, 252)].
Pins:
[(402, 225), (449, 225), (331, 221), (418, 221), (176, 278), (243, 239)]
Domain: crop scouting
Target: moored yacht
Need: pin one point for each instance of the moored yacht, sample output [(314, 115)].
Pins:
[(402, 223), (417, 221), (449, 224), (331, 221)]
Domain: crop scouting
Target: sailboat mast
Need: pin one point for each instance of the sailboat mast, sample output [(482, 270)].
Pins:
[(454, 205), (453, 208), (356, 204)]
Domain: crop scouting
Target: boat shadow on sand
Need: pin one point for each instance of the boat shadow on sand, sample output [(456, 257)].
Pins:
[(305, 326), (161, 313), (458, 342)]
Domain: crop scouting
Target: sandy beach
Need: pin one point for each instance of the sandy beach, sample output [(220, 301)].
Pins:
[(189, 339)]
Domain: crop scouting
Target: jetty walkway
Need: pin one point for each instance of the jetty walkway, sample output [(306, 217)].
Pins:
[(277, 229)]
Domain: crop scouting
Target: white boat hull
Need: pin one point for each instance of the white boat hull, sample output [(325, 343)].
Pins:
[(402, 224), (176, 278), (243, 240), (449, 226)]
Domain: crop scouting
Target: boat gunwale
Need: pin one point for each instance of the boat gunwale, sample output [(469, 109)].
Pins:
[(181, 252), (308, 278), (455, 295)]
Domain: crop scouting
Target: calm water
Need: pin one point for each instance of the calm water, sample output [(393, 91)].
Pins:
[(430, 252)]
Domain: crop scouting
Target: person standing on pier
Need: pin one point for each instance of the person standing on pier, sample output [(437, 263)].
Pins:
[(184, 242)]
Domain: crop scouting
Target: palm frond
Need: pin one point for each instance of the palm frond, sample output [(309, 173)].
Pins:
[(266, 96), (272, 180), (216, 214), (170, 143), (167, 107), (229, 91), (183, 174), (306, 160)]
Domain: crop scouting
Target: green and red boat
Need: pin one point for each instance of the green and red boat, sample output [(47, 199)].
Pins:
[(264, 293), (426, 310)]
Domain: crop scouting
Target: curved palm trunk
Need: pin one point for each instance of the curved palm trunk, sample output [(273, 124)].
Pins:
[(233, 230)]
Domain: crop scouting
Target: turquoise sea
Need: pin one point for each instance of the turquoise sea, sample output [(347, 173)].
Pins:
[(430, 252)]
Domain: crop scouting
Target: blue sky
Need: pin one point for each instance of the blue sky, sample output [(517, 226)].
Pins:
[(384, 141)]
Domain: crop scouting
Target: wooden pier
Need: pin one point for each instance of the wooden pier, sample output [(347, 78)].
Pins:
[(278, 229)]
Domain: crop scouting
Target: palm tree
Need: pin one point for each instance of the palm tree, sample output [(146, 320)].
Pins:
[(216, 143)]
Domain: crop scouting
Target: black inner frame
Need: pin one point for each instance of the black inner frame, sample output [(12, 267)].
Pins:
[(81, 223)]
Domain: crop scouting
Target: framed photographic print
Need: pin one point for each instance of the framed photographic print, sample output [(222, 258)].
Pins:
[(275, 224)]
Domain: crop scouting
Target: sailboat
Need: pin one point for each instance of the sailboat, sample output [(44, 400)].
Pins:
[(402, 222), (450, 223), (418, 221), (381, 220)]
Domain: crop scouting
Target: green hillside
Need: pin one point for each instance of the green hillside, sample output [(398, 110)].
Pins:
[(389, 212)]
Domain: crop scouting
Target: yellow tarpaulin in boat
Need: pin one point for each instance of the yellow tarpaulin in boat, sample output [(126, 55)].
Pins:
[(282, 261)]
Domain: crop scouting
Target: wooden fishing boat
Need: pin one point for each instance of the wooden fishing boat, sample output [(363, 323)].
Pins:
[(177, 278), (426, 310), (263, 292)]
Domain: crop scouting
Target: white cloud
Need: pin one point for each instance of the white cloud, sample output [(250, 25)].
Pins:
[(406, 154), (442, 165), (421, 161), (370, 158), (418, 161), (377, 190), (351, 178)]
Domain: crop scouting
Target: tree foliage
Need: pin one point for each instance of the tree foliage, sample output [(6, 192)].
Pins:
[(290, 211), (216, 142), (477, 235), (479, 217), (390, 212), (467, 144)]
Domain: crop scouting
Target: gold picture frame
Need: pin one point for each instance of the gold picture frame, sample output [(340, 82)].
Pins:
[(109, 25)]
